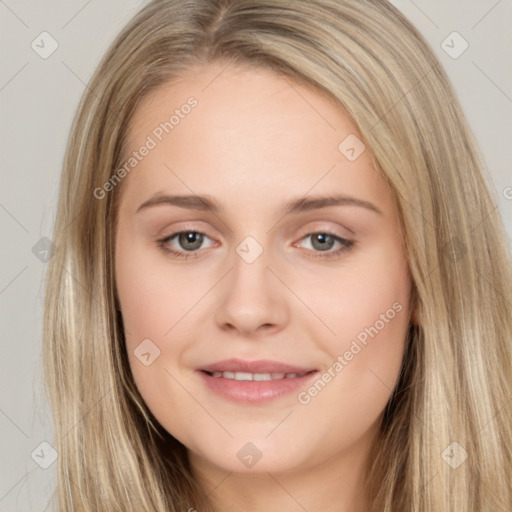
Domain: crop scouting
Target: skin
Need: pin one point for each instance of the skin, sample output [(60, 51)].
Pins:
[(254, 142)]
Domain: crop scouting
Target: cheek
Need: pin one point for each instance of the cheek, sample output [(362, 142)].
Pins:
[(366, 299), (369, 317), (152, 301), (151, 305)]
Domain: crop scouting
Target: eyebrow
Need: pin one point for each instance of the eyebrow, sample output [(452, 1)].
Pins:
[(303, 204)]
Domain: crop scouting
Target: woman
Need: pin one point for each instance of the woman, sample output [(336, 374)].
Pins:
[(342, 341)]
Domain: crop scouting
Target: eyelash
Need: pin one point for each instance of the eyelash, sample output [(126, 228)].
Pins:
[(346, 245)]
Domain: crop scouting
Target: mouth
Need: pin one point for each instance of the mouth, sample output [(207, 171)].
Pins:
[(253, 381)]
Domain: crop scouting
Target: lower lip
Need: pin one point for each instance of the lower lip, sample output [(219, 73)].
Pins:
[(250, 391)]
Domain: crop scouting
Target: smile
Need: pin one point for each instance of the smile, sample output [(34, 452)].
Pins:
[(252, 382)]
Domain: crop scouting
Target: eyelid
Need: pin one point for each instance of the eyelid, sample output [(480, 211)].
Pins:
[(322, 229), (324, 232)]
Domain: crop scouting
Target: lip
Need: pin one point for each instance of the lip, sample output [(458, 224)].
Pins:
[(248, 391), (260, 366)]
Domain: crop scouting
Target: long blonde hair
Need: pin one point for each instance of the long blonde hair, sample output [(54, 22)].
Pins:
[(456, 374)]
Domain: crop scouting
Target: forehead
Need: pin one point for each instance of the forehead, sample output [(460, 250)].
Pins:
[(250, 105), (249, 130)]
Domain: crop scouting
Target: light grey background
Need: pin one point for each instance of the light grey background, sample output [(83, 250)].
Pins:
[(38, 98)]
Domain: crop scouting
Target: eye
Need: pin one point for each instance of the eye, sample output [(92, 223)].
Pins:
[(322, 242), (189, 241)]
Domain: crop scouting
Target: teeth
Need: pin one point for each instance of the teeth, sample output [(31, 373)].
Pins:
[(262, 376), (256, 376), (243, 376)]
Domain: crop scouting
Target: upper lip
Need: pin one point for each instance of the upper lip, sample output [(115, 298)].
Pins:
[(260, 366)]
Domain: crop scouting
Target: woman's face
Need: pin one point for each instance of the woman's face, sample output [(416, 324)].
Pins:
[(265, 337)]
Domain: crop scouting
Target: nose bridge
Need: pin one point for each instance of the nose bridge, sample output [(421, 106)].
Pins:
[(250, 274)]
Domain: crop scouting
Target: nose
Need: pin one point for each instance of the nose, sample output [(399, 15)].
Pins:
[(252, 298)]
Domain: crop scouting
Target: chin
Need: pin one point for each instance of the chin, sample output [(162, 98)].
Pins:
[(257, 456)]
